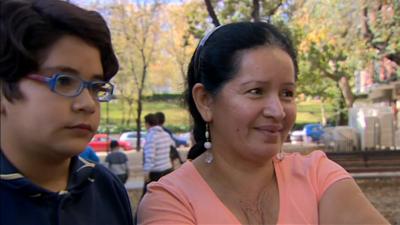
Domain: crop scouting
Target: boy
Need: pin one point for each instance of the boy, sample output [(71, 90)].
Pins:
[(55, 63), (117, 162)]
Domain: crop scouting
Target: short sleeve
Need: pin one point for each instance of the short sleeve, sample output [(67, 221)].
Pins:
[(327, 172), (164, 205)]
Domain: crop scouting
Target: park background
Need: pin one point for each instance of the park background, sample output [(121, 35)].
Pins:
[(345, 49)]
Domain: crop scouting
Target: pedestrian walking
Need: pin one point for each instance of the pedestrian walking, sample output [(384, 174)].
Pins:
[(117, 162), (173, 154), (156, 150)]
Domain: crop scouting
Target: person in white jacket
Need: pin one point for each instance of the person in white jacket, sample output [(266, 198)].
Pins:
[(156, 160)]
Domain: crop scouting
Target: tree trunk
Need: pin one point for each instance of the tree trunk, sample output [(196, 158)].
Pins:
[(211, 13), (123, 112), (255, 14), (139, 123), (140, 101), (323, 114), (346, 91), (130, 109), (342, 115)]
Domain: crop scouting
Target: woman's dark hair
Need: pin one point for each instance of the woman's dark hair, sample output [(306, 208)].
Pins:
[(28, 28), (217, 59)]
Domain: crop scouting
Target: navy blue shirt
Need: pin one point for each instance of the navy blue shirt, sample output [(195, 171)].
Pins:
[(94, 196)]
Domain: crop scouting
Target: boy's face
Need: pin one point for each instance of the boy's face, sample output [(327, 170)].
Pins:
[(45, 122)]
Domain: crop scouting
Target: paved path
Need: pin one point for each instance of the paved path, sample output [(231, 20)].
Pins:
[(135, 180), (132, 184)]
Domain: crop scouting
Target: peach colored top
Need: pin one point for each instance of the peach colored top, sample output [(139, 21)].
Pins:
[(183, 197)]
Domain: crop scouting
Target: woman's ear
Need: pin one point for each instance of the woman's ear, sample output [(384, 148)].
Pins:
[(203, 101)]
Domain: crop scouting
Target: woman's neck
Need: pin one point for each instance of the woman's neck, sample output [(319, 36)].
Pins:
[(247, 179), (250, 193)]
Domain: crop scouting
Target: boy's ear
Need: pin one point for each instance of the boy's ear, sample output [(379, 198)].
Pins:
[(2, 105), (203, 101)]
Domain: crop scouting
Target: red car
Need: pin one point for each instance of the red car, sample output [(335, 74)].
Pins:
[(101, 143)]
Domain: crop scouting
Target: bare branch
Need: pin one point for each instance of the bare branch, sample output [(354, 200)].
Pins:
[(211, 13), (272, 11)]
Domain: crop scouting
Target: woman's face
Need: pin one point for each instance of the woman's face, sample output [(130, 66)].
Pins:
[(253, 113)]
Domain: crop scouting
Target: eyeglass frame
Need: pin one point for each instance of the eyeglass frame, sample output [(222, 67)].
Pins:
[(51, 83)]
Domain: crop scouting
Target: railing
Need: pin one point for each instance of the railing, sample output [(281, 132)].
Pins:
[(367, 161)]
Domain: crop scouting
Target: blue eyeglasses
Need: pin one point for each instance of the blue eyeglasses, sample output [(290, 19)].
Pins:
[(72, 86)]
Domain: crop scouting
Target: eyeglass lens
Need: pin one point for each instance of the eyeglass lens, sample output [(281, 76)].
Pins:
[(73, 86)]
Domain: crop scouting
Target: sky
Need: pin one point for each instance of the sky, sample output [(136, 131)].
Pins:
[(88, 2)]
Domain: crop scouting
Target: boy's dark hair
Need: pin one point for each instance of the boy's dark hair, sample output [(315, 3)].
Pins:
[(217, 59), (28, 28), (114, 144), (160, 118), (151, 119)]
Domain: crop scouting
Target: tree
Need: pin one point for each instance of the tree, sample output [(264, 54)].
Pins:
[(135, 31), (326, 47), (177, 40), (381, 27), (340, 37)]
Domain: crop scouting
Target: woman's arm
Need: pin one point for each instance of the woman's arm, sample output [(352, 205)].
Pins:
[(344, 203)]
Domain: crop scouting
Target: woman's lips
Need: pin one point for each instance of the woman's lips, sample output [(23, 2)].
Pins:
[(270, 133), (270, 137)]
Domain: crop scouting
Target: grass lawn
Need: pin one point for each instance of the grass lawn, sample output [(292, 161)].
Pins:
[(177, 117)]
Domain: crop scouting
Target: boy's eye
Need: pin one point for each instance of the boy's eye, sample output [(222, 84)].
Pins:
[(98, 87), (65, 81)]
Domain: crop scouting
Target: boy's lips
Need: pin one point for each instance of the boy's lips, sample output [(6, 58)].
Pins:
[(81, 126)]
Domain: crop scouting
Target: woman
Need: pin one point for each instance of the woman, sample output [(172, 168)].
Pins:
[(241, 90)]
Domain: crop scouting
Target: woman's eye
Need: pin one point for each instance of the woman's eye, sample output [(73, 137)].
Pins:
[(255, 91), (288, 94)]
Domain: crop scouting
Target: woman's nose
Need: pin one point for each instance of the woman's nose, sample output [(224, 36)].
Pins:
[(273, 107)]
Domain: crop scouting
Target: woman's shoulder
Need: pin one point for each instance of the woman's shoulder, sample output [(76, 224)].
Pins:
[(314, 169), (305, 160), (306, 155), (173, 195), (314, 164), (181, 179)]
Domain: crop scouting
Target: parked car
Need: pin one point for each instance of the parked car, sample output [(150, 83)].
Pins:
[(297, 136), (314, 130), (131, 137), (182, 139), (101, 143)]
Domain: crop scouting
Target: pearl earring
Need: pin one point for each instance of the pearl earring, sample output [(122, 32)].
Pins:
[(280, 155), (207, 145)]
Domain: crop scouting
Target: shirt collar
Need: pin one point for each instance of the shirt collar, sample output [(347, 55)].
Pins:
[(155, 129), (81, 176)]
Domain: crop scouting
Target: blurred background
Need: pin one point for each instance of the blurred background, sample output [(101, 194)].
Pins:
[(348, 89)]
